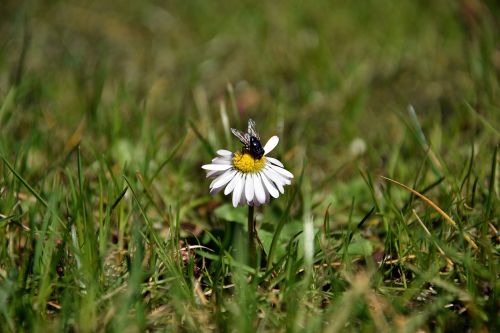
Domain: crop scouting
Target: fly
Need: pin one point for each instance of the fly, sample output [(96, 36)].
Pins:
[(250, 140)]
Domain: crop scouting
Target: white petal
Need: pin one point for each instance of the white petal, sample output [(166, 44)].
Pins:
[(258, 189), (249, 187), (215, 190), (282, 171), (275, 161), (231, 185), (268, 197), (271, 144), (214, 173), (223, 179), (243, 200), (223, 152), (269, 186), (276, 178), (216, 167), (221, 160), (238, 191)]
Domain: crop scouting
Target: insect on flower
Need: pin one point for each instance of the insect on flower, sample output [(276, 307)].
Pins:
[(251, 140), (249, 174)]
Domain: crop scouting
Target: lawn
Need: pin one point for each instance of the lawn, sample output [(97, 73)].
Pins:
[(388, 114)]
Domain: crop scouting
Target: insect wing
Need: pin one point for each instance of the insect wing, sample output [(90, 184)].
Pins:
[(251, 129), (243, 137)]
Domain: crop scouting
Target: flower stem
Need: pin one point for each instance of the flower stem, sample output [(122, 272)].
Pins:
[(252, 255)]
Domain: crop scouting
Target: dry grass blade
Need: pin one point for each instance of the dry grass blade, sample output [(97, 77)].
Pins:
[(435, 207), (448, 260)]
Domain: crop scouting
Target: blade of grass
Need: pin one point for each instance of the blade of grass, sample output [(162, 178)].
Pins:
[(24, 182), (486, 123), (491, 189), (283, 220), (158, 243), (208, 147), (7, 104), (435, 207), (450, 263), (167, 160), (419, 133)]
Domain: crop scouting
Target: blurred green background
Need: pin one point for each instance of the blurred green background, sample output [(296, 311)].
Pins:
[(93, 91), (331, 70), (126, 79)]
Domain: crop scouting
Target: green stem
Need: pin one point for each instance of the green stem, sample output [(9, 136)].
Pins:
[(252, 254)]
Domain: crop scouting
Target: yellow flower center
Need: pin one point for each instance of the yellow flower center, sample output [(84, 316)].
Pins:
[(246, 163)]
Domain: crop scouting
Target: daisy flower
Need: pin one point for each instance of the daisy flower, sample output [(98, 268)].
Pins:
[(249, 174)]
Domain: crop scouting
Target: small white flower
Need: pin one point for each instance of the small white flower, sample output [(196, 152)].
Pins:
[(251, 175)]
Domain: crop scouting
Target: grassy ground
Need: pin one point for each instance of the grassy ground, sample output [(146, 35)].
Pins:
[(108, 110)]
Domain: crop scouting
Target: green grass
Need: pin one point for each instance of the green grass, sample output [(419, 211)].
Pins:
[(109, 109)]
